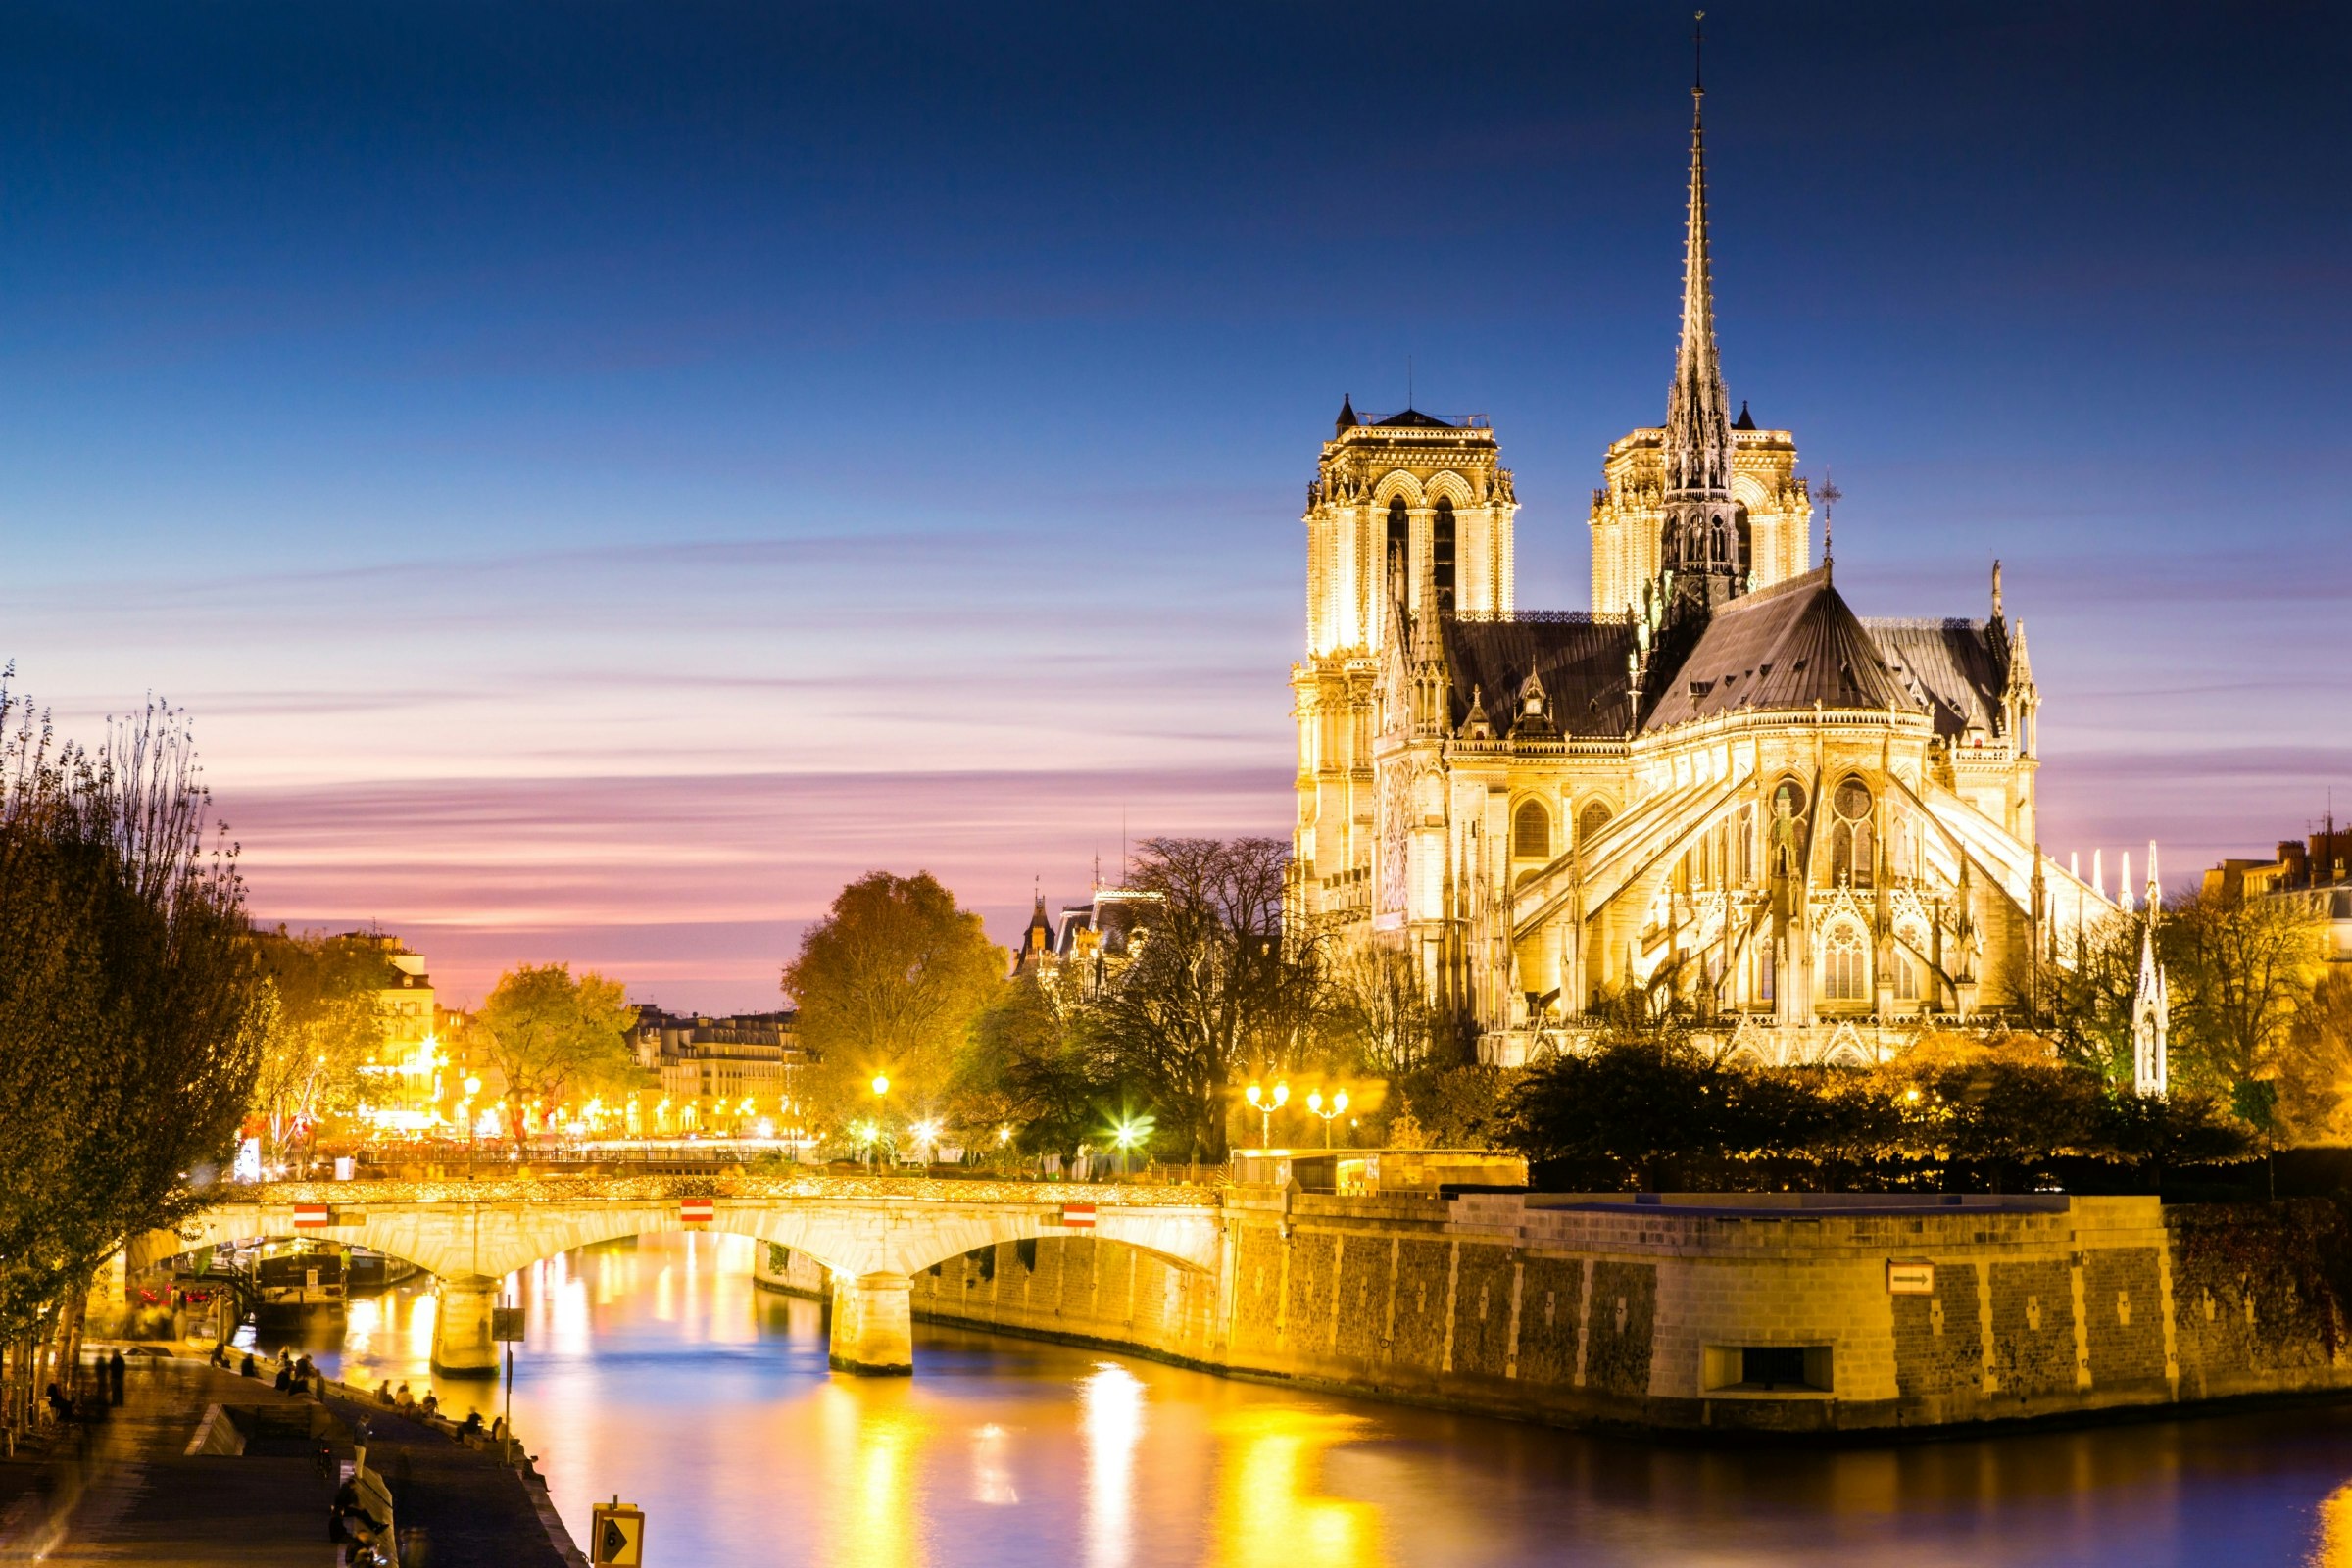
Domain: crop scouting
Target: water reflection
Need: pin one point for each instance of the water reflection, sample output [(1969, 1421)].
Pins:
[(1273, 1505), (655, 1369), (1111, 1404)]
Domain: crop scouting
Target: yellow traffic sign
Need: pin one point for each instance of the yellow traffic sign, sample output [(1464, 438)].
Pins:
[(617, 1535)]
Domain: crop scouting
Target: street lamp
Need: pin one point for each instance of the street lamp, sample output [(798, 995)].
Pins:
[(1339, 1107), (1267, 1105), (881, 1088), (1129, 1132)]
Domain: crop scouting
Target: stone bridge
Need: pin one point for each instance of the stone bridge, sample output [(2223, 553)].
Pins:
[(871, 1232)]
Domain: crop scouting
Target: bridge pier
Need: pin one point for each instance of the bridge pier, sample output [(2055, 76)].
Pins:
[(461, 1343), (873, 1325)]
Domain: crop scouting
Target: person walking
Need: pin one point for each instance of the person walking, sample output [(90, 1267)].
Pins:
[(116, 1367)]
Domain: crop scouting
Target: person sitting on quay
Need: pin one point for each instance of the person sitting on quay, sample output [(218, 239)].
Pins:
[(471, 1427), (404, 1401), (248, 1370), (432, 1404), (284, 1381), (61, 1404), (384, 1395)]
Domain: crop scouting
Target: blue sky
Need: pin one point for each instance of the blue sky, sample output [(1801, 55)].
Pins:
[(601, 476)]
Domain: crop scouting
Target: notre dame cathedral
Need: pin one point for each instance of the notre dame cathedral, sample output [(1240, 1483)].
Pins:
[(1718, 781)]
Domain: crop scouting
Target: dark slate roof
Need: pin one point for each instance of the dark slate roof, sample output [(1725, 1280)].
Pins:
[(1746, 420), (1415, 420), (1580, 659), (1347, 420), (1789, 647), (1954, 669)]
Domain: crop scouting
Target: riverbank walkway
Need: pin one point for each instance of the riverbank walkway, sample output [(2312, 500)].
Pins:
[(125, 1489)]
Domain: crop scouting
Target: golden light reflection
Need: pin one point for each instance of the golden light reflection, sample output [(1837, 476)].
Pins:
[(1111, 1422), (424, 1311), (2331, 1547), (569, 1329), (1268, 1508), (362, 1317), (873, 1438), (991, 1468)]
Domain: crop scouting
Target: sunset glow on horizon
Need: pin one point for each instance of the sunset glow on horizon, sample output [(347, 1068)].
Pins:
[(597, 488)]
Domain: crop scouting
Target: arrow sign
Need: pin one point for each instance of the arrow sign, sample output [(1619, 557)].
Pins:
[(617, 1535)]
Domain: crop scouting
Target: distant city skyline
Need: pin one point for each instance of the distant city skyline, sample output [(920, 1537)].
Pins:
[(602, 480)]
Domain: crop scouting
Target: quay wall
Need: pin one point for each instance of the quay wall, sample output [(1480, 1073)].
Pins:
[(1712, 1314)]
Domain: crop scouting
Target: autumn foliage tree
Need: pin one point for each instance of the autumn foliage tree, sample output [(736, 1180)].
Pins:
[(888, 982), (324, 1022), (553, 1037), (131, 1008)]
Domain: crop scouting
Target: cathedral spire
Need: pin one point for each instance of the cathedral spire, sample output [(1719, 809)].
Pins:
[(1698, 424), (1700, 551)]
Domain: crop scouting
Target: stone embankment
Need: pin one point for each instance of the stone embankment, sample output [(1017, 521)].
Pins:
[(1726, 1313)]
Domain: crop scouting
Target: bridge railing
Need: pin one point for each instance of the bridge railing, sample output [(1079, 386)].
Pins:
[(412, 1163)]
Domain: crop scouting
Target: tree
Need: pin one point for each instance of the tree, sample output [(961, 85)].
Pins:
[(1028, 1065), (1376, 1012), (2314, 1063), (2084, 1004), (888, 982), (1994, 1106), (325, 1022), (132, 1004), (552, 1037), (1216, 985), (2238, 967)]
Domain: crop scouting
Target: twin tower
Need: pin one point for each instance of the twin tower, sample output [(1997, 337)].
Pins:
[(1702, 509)]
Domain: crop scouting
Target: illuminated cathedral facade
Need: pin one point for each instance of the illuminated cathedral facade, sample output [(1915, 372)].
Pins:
[(1719, 781)]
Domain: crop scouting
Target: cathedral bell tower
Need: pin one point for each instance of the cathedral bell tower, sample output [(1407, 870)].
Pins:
[(1702, 557)]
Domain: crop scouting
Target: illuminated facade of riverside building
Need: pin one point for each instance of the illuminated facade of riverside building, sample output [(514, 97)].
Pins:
[(1719, 780)]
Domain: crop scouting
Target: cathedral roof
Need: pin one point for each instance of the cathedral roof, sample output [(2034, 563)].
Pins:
[(1412, 419), (1578, 660), (1952, 667), (1791, 646)]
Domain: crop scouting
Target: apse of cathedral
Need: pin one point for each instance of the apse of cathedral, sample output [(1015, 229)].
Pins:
[(1720, 783)]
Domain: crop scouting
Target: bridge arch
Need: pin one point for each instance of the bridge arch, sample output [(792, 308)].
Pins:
[(872, 1243)]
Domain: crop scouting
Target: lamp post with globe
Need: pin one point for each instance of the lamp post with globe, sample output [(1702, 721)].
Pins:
[(1266, 1103), (1314, 1108)]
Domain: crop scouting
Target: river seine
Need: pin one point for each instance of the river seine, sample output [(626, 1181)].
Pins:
[(656, 1370)]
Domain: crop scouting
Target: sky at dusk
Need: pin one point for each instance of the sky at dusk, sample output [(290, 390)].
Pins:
[(603, 475)]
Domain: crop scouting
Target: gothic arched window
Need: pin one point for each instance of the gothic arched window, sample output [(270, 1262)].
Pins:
[(1440, 551), (1844, 966), (1531, 832), (1591, 819), (1400, 540), (1850, 857), (1906, 969), (1743, 559)]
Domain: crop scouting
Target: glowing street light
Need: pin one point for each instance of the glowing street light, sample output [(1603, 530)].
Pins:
[(1314, 1108), (1267, 1105), (1129, 1132), (926, 1134)]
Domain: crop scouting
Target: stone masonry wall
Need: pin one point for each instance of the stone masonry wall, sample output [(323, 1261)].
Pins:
[(1616, 1314)]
